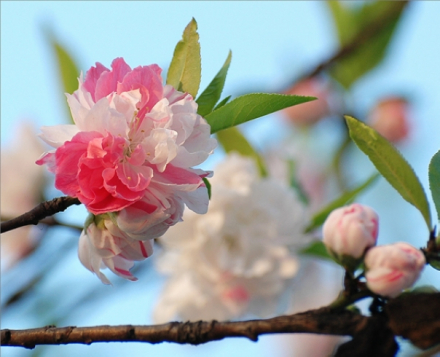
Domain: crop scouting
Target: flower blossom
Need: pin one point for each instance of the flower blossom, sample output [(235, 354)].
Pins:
[(132, 137), (131, 154), (392, 268), (238, 258), (349, 231), (390, 118), (103, 244)]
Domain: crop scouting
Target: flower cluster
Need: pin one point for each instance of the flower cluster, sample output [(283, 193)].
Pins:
[(238, 258), (130, 152), (350, 235)]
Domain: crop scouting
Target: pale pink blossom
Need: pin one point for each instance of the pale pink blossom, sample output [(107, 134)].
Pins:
[(392, 268), (349, 231), (390, 118), (22, 183), (134, 143), (309, 113), (103, 245), (240, 256)]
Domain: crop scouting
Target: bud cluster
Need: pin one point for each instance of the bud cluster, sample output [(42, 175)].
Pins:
[(350, 236)]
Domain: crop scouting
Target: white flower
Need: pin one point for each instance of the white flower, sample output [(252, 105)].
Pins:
[(22, 183), (238, 257)]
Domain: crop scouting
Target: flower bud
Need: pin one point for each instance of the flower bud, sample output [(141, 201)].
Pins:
[(392, 268), (309, 113), (349, 231), (103, 244), (390, 118)]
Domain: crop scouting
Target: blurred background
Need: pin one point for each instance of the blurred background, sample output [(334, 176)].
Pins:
[(275, 48)]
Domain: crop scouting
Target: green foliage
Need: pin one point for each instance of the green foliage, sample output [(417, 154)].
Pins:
[(319, 218), (212, 93), (251, 106), (317, 249), (67, 68), (222, 102), (391, 164), (434, 181), (184, 73), (377, 20), (435, 264), (233, 140), (208, 186)]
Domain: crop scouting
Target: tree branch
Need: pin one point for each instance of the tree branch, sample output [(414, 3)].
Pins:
[(40, 212), (320, 321), (368, 34)]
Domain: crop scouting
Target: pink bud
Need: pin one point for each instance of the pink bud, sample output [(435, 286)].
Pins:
[(349, 231), (308, 113), (390, 118), (392, 268)]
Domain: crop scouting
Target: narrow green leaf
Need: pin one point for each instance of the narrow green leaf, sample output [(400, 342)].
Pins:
[(319, 218), (377, 20), (68, 71), (317, 249), (251, 106), (208, 186), (345, 20), (184, 73), (222, 102), (391, 164), (233, 140), (434, 181), (212, 93)]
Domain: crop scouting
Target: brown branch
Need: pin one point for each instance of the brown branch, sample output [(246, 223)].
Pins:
[(368, 34), (320, 321), (40, 212)]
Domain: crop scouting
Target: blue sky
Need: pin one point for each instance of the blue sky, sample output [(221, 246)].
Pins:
[(272, 43)]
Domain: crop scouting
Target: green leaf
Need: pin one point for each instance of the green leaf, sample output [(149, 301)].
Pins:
[(435, 264), (212, 93), (233, 140), (208, 186), (222, 102), (344, 19), (391, 164), (251, 106), (68, 71), (184, 73), (434, 181), (295, 183), (377, 21), (317, 249), (319, 218)]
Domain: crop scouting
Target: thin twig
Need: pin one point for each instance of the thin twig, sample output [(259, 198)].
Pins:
[(40, 212)]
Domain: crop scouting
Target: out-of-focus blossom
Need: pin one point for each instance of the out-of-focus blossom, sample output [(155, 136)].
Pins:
[(238, 258), (309, 113), (390, 118), (134, 143), (103, 245), (349, 231), (21, 185), (392, 268)]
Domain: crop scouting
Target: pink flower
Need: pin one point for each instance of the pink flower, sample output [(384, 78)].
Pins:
[(133, 140), (392, 268), (103, 244), (309, 113), (349, 231), (390, 118)]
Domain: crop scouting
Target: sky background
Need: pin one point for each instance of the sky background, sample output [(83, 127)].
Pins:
[(272, 43)]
